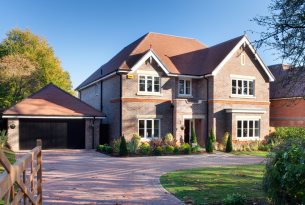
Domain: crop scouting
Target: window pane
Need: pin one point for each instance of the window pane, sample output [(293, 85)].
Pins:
[(245, 128), (149, 83), (181, 86), (238, 128), (156, 84), (142, 83), (141, 128), (187, 87), (256, 128), (156, 128), (233, 86), (148, 133), (149, 128), (251, 87), (251, 128), (245, 87), (239, 87)]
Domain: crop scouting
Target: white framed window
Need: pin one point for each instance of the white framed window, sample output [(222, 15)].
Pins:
[(185, 87), (242, 59), (248, 129), (149, 128), (242, 87), (149, 84)]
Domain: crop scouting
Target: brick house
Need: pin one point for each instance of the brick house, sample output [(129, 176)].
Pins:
[(162, 83), (287, 97)]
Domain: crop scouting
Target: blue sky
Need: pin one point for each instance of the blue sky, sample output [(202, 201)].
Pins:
[(86, 34)]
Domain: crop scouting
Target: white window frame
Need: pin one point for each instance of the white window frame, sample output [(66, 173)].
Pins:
[(153, 84), (242, 88), (184, 87), (254, 137), (153, 128)]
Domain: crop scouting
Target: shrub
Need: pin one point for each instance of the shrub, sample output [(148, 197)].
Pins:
[(235, 199), (196, 149), (193, 136), (264, 147), (116, 145), (210, 142), (156, 143), (185, 148), (123, 147), (101, 148), (224, 139), (283, 133), (254, 145), (134, 143), (169, 149), (229, 146), (144, 148), (176, 150), (3, 138), (285, 172), (108, 149), (168, 139), (158, 151)]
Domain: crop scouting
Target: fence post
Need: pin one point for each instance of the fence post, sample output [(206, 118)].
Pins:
[(39, 173)]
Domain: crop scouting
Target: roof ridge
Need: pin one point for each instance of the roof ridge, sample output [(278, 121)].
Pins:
[(152, 32)]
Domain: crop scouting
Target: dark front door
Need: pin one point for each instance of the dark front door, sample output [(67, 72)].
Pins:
[(55, 134)]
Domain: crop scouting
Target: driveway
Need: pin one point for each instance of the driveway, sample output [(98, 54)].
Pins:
[(89, 177)]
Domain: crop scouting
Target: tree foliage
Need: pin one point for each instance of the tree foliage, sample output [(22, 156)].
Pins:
[(123, 147), (210, 142), (193, 136), (284, 31), (36, 51), (229, 146)]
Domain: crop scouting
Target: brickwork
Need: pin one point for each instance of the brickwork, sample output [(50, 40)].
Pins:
[(287, 112), (92, 95), (89, 133)]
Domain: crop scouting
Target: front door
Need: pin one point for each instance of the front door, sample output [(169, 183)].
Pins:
[(188, 124)]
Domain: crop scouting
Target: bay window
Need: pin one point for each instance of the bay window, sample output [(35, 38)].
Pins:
[(248, 129)]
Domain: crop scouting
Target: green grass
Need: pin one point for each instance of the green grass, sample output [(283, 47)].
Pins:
[(11, 157), (253, 153), (213, 184)]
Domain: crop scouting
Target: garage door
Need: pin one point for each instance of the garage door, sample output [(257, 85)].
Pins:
[(55, 134)]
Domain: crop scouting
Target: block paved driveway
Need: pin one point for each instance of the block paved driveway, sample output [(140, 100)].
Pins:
[(89, 177)]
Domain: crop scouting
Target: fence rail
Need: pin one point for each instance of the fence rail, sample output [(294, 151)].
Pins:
[(21, 183)]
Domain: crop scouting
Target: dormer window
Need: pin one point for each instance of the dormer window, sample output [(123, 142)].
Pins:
[(149, 84), (185, 87)]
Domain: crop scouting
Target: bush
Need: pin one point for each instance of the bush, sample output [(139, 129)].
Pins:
[(285, 173), (229, 146), (144, 148), (101, 148), (116, 145), (264, 147), (3, 138), (224, 139), (123, 147), (156, 143), (108, 149), (134, 143), (176, 150), (169, 149), (283, 133), (185, 148), (158, 151), (168, 139), (235, 199), (193, 136), (210, 142), (196, 149)]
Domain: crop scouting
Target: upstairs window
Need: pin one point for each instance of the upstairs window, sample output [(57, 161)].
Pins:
[(185, 87), (149, 84), (243, 87)]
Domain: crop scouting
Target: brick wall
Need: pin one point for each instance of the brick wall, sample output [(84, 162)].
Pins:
[(92, 95), (287, 112)]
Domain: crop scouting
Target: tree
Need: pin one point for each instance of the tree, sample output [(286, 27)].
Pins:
[(193, 137), (38, 52), (229, 146), (210, 142), (123, 147), (17, 80), (285, 33)]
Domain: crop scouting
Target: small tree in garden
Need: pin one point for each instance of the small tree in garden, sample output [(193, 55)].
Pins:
[(193, 136), (123, 147), (229, 146), (210, 142)]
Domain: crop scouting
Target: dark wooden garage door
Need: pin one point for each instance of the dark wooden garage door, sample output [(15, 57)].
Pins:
[(55, 134)]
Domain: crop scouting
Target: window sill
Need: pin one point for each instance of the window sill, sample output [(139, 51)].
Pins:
[(247, 138), (149, 94), (243, 96), (185, 96), (149, 139)]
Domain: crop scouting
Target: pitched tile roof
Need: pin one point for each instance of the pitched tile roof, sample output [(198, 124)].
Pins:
[(52, 101), (180, 55), (289, 81)]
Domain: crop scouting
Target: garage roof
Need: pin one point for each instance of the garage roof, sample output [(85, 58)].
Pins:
[(52, 102)]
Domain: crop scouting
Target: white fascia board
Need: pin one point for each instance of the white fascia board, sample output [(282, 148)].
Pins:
[(98, 80), (149, 54), (234, 50), (48, 117), (259, 111)]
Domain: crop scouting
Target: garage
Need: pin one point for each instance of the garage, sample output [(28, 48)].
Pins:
[(61, 120)]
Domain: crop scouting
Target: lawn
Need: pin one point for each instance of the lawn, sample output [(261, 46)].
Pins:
[(252, 153), (213, 184)]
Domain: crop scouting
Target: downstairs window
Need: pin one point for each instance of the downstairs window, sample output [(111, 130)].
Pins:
[(248, 129), (149, 128)]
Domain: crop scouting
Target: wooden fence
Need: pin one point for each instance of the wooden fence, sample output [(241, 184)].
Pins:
[(21, 183)]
